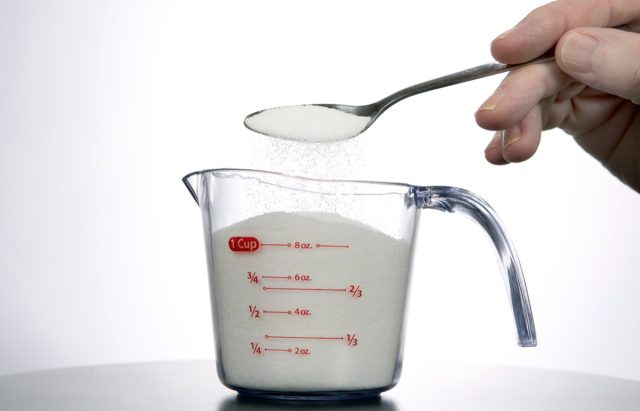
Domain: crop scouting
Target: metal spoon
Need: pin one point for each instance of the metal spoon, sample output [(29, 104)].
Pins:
[(356, 119), (334, 122)]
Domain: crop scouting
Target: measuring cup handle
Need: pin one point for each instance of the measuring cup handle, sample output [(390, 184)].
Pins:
[(458, 200)]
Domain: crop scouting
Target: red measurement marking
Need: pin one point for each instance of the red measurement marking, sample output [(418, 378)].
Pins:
[(297, 277), (332, 245), (355, 291), (352, 341), (252, 277), (255, 348), (254, 312), (302, 312), (244, 244), (276, 244), (303, 289), (278, 349), (299, 337), (276, 312)]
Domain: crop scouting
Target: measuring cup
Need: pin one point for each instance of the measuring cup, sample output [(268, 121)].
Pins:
[(309, 278)]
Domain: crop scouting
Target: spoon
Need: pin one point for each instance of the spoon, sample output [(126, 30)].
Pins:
[(335, 122)]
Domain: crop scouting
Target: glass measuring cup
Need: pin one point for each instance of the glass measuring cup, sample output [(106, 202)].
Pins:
[(308, 278)]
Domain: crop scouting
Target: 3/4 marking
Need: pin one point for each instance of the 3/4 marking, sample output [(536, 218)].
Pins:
[(252, 277)]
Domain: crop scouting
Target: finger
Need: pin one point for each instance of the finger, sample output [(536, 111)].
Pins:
[(517, 143), (543, 27), (493, 152), (605, 59), (521, 141), (519, 93)]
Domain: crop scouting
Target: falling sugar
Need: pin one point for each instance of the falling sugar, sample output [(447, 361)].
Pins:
[(310, 123)]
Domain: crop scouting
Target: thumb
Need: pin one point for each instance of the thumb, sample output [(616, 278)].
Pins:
[(605, 59)]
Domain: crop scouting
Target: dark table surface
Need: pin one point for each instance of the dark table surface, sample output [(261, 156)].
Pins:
[(194, 386)]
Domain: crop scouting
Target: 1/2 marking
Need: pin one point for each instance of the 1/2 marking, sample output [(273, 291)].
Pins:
[(254, 312)]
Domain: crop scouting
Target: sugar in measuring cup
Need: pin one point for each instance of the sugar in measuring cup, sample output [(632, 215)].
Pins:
[(308, 278)]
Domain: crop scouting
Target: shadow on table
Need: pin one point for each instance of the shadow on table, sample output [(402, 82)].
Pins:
[(247, 404)]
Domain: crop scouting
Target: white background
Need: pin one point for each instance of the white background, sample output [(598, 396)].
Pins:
[(104, 106)]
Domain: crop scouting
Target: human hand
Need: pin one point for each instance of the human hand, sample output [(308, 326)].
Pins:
[(589, 91)]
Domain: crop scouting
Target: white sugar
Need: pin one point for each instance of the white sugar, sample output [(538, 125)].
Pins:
[(378, 265), (310, 123)]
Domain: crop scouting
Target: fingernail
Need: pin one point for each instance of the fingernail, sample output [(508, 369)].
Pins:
[(495, 143), (577, 51), (487, 107), (493, 152), (510, 136), (492, 102), (504, 35)]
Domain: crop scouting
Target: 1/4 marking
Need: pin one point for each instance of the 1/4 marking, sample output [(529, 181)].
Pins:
[(255, 348)]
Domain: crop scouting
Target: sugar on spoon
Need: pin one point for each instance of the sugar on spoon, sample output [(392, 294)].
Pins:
[(335, 122)]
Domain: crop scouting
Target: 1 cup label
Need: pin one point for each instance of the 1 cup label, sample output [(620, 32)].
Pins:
[(244, 244)]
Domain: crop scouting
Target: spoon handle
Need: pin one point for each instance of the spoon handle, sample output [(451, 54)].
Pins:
[(473, 73)]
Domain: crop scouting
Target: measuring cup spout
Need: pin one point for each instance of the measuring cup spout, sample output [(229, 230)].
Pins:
[(452, 199), (193, 182)]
